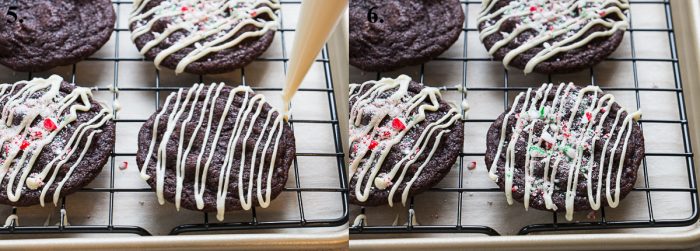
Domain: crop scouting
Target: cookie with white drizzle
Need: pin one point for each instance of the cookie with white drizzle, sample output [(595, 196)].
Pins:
[(406, 32), (564, 148), (551, 36), (203, 37), (404, 139), (55, 139), (216, 148), (50, 33)]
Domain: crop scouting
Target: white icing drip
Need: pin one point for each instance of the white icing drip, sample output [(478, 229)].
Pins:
[(404, 112), (565, 146), (412, 213), (211, 26), (250, 107), (30, 140), (465, 106), (10, 219), (64, 218), (560, 25), (116, 105), (360, 220)]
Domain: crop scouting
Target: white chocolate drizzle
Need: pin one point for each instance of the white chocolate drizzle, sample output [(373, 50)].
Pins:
[(210, 26), (13, 218), (44, 113), (372, 142), (560, 25), (64, 218), (360, 220), (565, 142), (181, 107)]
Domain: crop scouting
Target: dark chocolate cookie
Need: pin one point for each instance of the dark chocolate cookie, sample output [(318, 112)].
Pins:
[(403, 140), (203, 37), (552, 36), (572, 149), (190, 150), (406, 32), (40, 35), (57, 151)]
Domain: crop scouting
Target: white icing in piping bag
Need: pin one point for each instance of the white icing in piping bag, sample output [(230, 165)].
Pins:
[(316, 21)]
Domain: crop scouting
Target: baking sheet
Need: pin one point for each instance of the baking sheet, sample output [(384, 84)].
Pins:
[(141, 208), (490, 208)]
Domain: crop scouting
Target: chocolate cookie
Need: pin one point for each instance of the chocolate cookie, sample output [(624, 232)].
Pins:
[(571, 149), (403, 140), (203, 37), (552, 36), (54, 138), (42, 34), (216, 148), (405, 32)]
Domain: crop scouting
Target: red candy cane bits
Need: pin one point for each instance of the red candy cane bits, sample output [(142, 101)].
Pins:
[(24, 145), (398, 124), (373, 144), (49, 124)]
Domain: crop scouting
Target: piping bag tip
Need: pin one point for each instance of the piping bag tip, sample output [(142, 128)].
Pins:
[(286, 112), (285, 108), (317, 20), (286, 115)]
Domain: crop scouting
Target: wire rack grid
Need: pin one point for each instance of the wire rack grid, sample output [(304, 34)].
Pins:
[(251, 222), (455, 188)]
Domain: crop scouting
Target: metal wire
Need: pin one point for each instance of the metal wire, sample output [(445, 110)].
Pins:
[(205, 225), (555, 225)]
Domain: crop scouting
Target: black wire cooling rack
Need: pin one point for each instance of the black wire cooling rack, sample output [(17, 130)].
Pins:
[(458, 190), (204, 225)]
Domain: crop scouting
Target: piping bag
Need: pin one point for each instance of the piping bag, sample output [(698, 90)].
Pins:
[(317, 19)]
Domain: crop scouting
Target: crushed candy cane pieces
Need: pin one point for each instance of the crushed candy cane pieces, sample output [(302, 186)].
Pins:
[(49, 124), (398, 124), (373, 144), (472, 165), (24, 145), (124, 165)]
